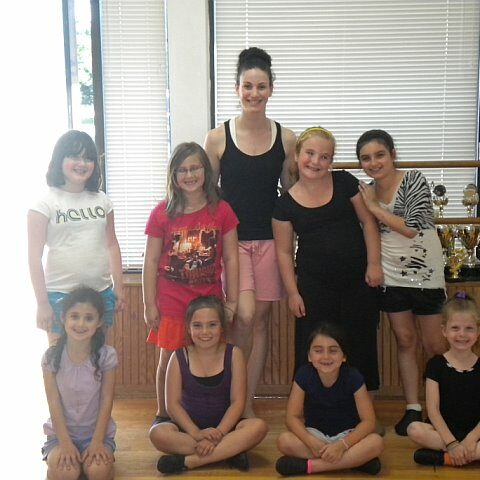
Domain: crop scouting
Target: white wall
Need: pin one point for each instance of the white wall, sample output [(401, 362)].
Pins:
[(188, 56)]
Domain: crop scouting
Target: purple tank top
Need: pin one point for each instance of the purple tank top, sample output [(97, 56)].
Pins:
[(206, 405)]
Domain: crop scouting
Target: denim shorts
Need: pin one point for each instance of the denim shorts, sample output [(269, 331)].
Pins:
[(421, 301), (109, 302), (52, 442)]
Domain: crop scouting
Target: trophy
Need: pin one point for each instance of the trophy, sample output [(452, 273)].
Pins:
[(446, 234), (469, 236), (470, 198), (440, 198), (455, 261)]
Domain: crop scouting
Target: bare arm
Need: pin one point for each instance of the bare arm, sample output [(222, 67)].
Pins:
[(69, 453), (283, 235), (214, 145), (432, 397), (371, 235), (37, 225), (115, 259), (333, 452), (238, 392), (96, 450), (295, 421), (230, 261), (289, 141), (366, 413), (173, 397), (393, 221), (153, 249)]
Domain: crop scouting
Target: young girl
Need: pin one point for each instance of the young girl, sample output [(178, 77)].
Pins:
[(205, 393), (189, 235), (452, 434), (330, 415), (337, 261), (414, 286), (79, 376), (75, 220), (251, 153)]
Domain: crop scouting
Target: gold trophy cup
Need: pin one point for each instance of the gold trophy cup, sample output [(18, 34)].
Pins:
[(455, 261), (440, 198), (470, 198), (446, 234), (469, 236)]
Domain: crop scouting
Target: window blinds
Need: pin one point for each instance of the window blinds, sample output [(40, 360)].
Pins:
[(136, 122), (409, 67)]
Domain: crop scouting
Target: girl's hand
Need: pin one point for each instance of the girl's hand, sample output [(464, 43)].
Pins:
[(212, 434), (333, 452), (368, 194), (121, 303), (470, 445), (296, 305), (374, 275), (458, 454), (69, 456), (97, 452), (230, 310), (204, 447), (315, 445), (152, 317), (45, 316)]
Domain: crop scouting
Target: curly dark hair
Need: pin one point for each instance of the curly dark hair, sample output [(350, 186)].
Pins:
[(79, 295)]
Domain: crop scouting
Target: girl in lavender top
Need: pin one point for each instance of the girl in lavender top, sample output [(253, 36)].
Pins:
[(79, 375)]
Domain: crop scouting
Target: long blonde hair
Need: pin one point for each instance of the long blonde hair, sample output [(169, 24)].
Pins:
[(175, 199)]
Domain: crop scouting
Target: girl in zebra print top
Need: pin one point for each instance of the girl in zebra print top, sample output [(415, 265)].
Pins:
[(414, 289)]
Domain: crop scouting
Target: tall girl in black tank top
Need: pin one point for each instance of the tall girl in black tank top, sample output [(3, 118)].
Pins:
[(251, 154)]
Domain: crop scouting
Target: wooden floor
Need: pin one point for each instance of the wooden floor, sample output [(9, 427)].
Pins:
[(136, 458)]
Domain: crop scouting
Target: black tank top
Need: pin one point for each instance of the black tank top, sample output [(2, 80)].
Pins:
[(249, 184)]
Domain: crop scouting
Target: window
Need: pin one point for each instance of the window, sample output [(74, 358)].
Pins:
[(135, 111), (409, 67)]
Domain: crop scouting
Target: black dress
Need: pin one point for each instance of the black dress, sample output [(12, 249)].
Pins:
[(331, 261)]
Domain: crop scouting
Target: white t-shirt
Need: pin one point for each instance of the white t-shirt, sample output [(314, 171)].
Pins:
[(76, 239)]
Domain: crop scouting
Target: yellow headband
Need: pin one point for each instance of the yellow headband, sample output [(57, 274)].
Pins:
[(326, 132)]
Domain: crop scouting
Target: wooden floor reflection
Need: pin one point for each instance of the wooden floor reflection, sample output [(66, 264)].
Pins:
[(136, 458)]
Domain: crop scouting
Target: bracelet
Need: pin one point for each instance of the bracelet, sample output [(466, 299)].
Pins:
[(452, 444), (347, 446)]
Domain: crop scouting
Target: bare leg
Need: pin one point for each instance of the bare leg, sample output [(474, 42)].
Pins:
[(404, 328), (258, 355), (160, 380), (243, 323), (432, 339), (365, 450), (250, 334), (56, 472), (425, 435), (167, 438), (100, 471)]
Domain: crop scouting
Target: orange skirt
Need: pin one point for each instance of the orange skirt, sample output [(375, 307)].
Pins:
[(171, 333)]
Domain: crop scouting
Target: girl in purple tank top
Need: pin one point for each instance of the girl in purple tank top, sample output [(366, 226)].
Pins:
[(205, 395)]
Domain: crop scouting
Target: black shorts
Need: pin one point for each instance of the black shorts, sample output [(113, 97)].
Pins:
[(421, 301)]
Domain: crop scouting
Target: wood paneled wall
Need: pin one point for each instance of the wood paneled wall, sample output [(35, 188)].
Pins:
[(138, 360)]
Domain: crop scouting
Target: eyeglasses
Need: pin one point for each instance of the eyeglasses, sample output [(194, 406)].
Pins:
[(192, 170)]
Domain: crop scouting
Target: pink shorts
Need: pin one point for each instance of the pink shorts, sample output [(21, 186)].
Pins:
[(171, 333), (259, 270)]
